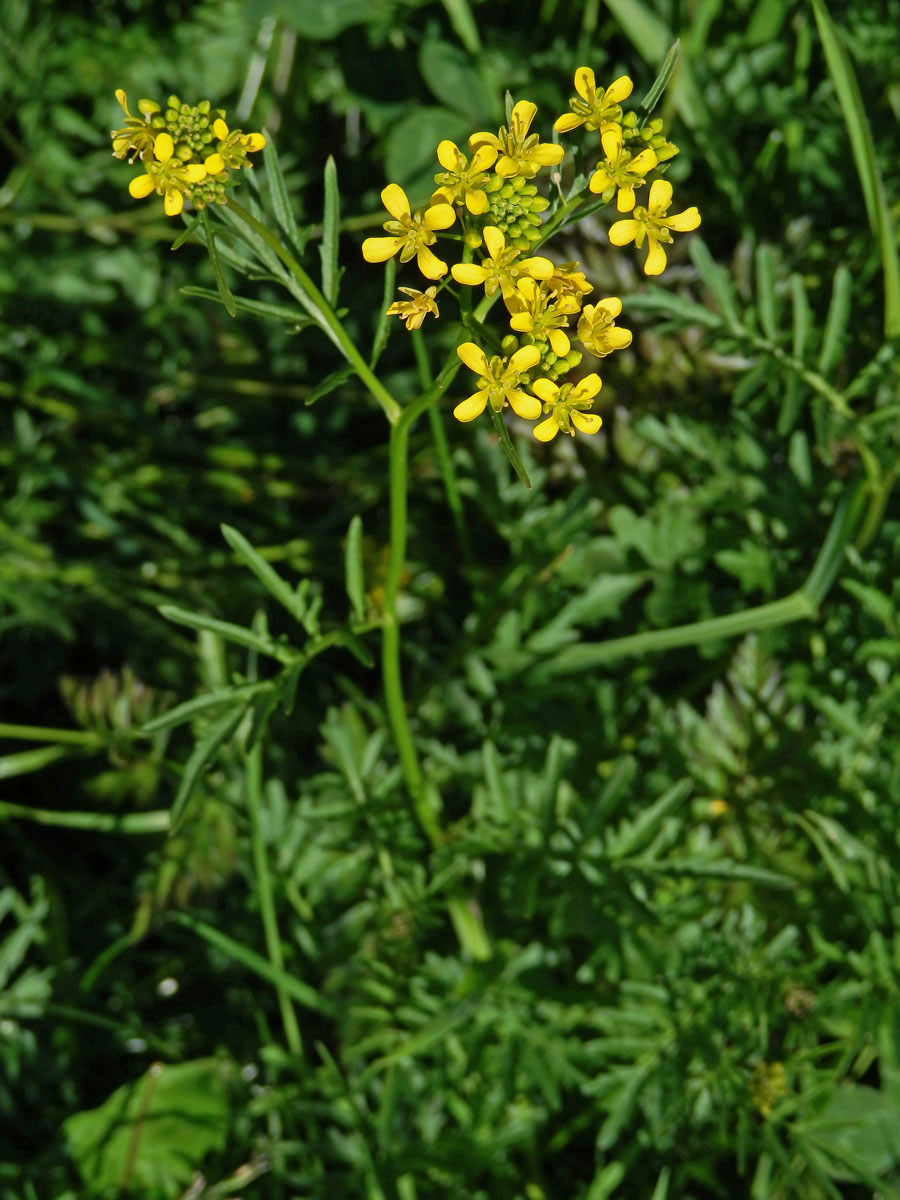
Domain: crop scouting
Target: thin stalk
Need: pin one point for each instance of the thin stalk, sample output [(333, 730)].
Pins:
[(266, 898), (442, 450), (330, 322)]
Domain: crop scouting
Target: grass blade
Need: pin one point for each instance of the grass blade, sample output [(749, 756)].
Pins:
[(845, 85), (231, 633), (353, 568), (267, 575), (221, 283), (837, 320), (331, 219), (661, 82), (214, 737), (142, 822), (281, 200)]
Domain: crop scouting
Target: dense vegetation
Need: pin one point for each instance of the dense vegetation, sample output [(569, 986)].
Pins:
[(652, 949)]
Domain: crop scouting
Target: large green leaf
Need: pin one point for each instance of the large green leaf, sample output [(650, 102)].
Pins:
[(151, 1135)]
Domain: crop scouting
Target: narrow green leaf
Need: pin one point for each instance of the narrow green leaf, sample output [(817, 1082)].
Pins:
[(716, 279), (331, 220), (295, 988), (231, 633), (214, 737), (143, 822), (509, 449), (281, 200), (711, 869), (41, 733), (182, 713), (187, 231), (661, 82), (221, 283), (766, 300), (329, 383), (383, 328), (463, 24), (260, 308), (837, 320), (26, 762), (353, 568), (801, 315), (634, 834), (843, 526), (264, 572), (845, 85)]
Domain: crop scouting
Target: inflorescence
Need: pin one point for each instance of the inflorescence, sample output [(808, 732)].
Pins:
[(187, 151), (499, 208)]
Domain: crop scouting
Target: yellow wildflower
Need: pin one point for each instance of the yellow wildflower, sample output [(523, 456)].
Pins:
[(234, 145), (533, 310), (520, 153), (653, 224), (501, 270), (167, 175), (597, 330), (590, 109), (411, 233), (566, 407), (500, 382), (415, 310), (768, 1086), (568, 280), (621, 170), (137, 134), (463, 181)]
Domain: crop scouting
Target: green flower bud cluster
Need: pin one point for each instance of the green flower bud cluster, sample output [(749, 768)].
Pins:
[(514, 207), (551, 366), (651, 134), (189, 125)]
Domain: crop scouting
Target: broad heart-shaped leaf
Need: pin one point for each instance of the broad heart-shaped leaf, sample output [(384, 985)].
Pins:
[(858, 1125), (450, 75), (151, 1135)]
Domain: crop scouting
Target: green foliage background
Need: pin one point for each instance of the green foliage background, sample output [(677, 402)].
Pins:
[(683, 847)]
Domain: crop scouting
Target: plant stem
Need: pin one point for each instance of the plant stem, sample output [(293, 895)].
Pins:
[(324, 314), (266, 899)]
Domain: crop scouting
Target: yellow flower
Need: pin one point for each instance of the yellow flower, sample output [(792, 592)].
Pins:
[(590, 109), (234, 145), (463, 181), (653, 224), (411, 234), (501, 270), (168, 175), (520, 153), (137, 134), (568, 280), (415, 310), (597, 330), (499, 384), (533, 310), (621, 170), (566, 406)]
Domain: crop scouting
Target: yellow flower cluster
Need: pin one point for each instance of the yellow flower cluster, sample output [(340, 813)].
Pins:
[(187, 151), (491, 193)]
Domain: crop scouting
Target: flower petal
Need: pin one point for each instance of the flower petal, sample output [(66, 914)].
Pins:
[(494, 240), (429, 264), (522, 322), (142, 186), (163, 147), (194, 172), (524, 405), (468, 273), (537, 267), (449, 156), (656, 258), (685, 221), (439, 216), (484, 157), (254, 141), (623, 232), (220, 129), (123, 100), (173, 202), (600, 181), (506, 167), (660, 196), (559, 343), (625, 199), (469, 409), (618, 339), (214, 164), (643, 162), (547, 430), (394, 200), (523, 359), (476, 201), (612, 143), (610, 305), (618, 90), (567, 122), (474, 358), (548, 154), (523, 114), (586, 422), (585, 83), (381, 248), (588, 387), (546, 389), (484, 139)]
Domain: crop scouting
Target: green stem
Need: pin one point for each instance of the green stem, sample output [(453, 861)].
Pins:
[(324, 313), (442, 449), (266, 898)]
